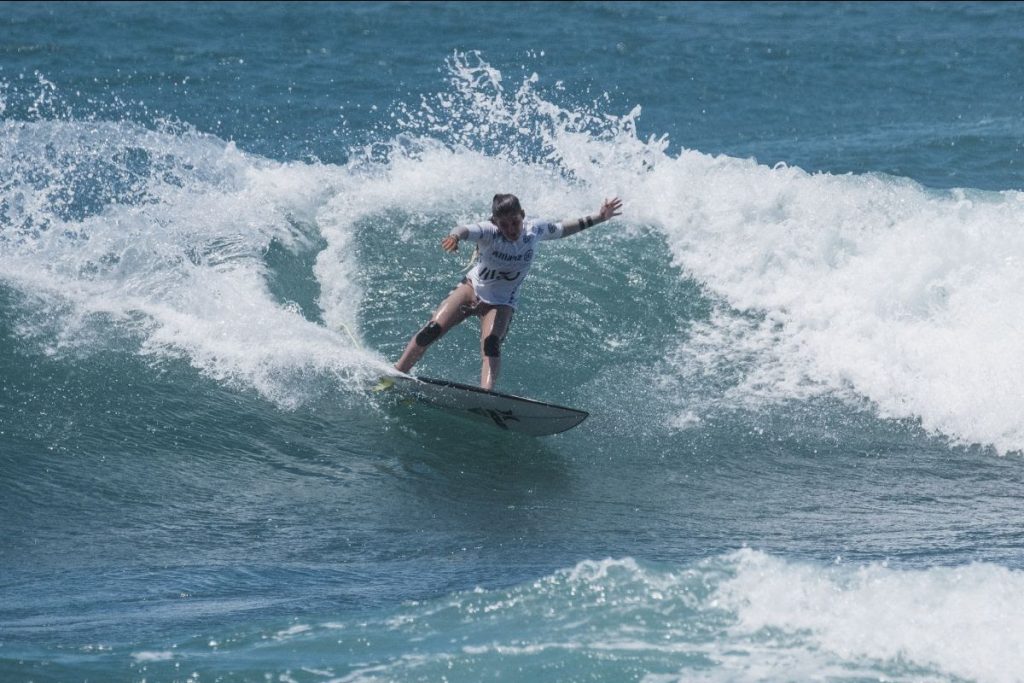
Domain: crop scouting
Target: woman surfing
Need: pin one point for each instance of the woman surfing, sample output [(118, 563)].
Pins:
[(506, 246)]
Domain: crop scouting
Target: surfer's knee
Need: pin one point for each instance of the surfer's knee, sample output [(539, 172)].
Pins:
[(492, 346), (429, 334)]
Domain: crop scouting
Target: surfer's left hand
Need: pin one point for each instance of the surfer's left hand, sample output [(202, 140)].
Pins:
[(611, 208)]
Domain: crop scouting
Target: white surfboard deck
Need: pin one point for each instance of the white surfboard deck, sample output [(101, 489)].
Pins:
[(512, 413)]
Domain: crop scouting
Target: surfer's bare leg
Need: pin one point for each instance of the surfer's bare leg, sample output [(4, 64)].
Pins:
[(452, 311), (494, 325)]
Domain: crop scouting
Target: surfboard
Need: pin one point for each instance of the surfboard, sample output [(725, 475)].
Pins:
[(504, 411)]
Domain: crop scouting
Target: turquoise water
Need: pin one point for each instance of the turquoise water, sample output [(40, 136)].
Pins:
[(799, 345)]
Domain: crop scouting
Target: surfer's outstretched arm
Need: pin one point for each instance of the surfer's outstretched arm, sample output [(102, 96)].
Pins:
[(610, 209)]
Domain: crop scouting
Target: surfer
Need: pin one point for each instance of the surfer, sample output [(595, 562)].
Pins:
[(506, 246)]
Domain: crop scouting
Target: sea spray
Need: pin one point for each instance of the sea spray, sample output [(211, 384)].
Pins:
[(862, 287)]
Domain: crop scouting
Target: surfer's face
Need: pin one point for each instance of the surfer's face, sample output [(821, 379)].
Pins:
[(510, 225)]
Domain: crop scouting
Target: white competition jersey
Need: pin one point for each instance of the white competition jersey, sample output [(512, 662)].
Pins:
[(503, 265)]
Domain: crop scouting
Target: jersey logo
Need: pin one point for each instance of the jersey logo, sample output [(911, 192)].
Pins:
[(506, 257), (488, 274)]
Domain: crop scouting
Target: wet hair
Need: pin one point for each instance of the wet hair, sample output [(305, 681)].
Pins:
[(505, 205)]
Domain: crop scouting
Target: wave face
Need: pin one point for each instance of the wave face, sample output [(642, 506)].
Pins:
[(867, 288), (798, 344)]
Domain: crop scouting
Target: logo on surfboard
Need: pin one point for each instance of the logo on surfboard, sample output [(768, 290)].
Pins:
[(500, 417)]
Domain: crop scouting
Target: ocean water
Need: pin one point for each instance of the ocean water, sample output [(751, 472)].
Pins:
[(800, 344)]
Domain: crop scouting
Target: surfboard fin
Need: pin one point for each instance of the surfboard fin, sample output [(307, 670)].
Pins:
[(384, 384)]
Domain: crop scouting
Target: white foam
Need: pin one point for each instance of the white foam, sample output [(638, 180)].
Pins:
[(152, 656), (862, 285), (964, 621), (760, 617), (180, 257)]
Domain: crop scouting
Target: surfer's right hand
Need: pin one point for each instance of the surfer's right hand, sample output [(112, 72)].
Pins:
[(450, 244)]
